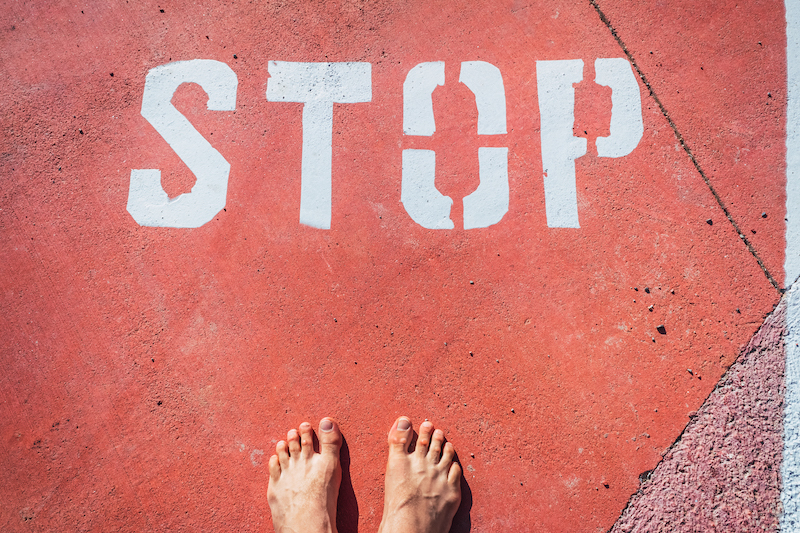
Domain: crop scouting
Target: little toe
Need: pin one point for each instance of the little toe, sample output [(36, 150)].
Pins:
[(293, 438), (330, 438), (400, 435), (306, 440), (454, 475), (448, 453), (424, 439), (283, 453), (435, 448), (274, 468)]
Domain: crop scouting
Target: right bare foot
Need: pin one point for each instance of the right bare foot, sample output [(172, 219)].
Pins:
[(423, 488)]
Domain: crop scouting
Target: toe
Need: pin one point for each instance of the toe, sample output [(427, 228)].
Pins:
[(293, 438), (424, 440), (283, 453), (330, 437), (400, 435), (306, 440), (435, 449), (448, 453), (454, 476), (274, 468)]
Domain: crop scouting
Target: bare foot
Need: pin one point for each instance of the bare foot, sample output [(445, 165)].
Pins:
[(423, 488), (303, 484)]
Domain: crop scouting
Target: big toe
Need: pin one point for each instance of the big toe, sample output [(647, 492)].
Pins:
[(330, 437), (400, 435)]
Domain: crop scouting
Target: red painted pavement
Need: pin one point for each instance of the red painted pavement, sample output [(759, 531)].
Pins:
[(148, 372), (719, 69), (723, 474)]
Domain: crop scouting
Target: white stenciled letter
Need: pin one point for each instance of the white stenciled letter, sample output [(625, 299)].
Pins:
[(423, 202), (147, 201), (489, 203), (560, 148), (626, 107), (318, 86)]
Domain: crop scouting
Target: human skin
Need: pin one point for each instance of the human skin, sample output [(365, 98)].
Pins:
[(422, 486)]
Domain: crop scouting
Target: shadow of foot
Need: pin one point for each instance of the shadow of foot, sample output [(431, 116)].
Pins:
[(347, 506)]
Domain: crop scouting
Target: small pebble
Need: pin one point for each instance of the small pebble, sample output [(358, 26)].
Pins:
[(710, 222), (512, 411), (650, 308), (647, 290), (689, 370), (764, 214)]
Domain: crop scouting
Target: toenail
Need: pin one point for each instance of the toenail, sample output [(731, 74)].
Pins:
[(326, 425), (404, 424)]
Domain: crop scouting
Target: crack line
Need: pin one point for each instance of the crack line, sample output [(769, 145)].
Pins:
[(685, 146)]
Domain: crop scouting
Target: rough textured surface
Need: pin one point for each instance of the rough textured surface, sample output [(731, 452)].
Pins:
[(734, 124), (724, 473), (147, 372), (790, 468)]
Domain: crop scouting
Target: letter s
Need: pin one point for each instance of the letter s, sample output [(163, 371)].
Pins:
[(148, 204)]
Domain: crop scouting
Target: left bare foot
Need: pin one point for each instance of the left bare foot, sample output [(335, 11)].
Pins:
[(303, 484)]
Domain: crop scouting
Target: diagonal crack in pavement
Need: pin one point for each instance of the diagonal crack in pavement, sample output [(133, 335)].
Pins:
[(685, 146)]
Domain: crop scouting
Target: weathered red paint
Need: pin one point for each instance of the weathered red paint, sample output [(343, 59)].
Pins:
[(724, 472), (145, 370), (720, 71)]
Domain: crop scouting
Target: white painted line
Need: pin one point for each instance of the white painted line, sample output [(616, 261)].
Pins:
[(790, 469), (792, 263)]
